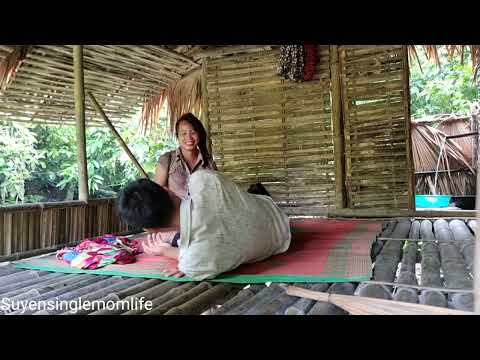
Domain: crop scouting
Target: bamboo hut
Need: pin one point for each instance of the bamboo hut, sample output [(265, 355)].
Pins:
[(444, 149), (338, 145)]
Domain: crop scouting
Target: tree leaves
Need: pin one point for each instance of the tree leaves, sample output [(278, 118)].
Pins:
[(47, 157), (445, 90)]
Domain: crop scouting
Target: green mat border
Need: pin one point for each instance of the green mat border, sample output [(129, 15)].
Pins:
[(226, 278)]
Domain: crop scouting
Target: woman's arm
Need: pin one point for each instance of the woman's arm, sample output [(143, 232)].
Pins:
[(214, 166), (171, 252), (161, 175)]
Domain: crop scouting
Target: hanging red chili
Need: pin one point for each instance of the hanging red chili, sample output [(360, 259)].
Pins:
[(310, 61)]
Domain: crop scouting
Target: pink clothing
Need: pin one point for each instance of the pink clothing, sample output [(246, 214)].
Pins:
[(178, 171), (100, 251)]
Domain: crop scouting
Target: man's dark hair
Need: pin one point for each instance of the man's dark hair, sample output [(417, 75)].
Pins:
[(145, 204), (258, 189)]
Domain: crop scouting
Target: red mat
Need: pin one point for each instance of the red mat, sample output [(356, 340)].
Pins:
[(321, 250)]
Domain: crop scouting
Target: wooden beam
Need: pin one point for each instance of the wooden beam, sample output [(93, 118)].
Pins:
[(389, 213), (337, 125), (117, 136), (79, 94)]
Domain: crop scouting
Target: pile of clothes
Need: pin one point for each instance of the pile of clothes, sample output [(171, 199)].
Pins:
[(100, 251), (297, 62)]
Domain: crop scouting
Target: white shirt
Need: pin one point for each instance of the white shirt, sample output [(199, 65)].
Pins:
[(222, 227)]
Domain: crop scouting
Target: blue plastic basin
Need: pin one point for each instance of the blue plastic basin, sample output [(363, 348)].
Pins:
[(432, 201)]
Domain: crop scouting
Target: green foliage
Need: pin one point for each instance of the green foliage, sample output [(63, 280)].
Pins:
[(18, 161), (41, 161), (445, 90)]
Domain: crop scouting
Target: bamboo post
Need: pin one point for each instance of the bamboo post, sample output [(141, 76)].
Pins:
[(79, 94), (117, 136), (205, 117), (408, 140), (476, 276), (341, 54), (339, 147)]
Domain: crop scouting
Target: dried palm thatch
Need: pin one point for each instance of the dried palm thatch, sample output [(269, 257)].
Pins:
[(182, 96), (357, 305), (10, 64), (453, 125), (432, 152), (431, 52)]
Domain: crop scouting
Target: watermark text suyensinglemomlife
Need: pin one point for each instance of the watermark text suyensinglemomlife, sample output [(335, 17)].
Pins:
[(73, 306)]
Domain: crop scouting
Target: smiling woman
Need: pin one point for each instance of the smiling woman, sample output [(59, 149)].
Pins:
[(174, 167)]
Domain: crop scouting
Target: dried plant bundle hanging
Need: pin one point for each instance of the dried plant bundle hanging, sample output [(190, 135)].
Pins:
[(182, 96), (10, 65)]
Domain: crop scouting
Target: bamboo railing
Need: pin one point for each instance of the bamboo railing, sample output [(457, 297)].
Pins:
[(24, 228)]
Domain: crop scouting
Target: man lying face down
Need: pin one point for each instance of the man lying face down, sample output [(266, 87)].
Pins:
[(220, 225)]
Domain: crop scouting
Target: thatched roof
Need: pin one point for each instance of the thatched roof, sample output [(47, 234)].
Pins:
[(456, 174), (37, 81)]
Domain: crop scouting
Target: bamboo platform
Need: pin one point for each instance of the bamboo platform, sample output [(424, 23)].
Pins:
[(417, 261)]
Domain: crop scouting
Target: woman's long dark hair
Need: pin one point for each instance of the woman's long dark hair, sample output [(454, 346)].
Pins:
[(202, 134)]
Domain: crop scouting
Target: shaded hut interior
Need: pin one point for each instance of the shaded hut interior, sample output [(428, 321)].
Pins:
[(337, 146)]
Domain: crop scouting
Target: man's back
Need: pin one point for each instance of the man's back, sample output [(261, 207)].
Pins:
[(223, 226)]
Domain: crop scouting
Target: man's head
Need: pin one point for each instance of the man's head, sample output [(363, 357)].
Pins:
[(145, 204)]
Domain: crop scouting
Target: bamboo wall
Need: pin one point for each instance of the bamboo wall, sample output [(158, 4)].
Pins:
[(278, 132), (378, 167), (30, 227), (281, 133)]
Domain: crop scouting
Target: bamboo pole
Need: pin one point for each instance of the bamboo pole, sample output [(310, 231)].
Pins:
[(79, 94), (387, 213), (408, 140), (228, 50), (357, 305), (339, 146), (117, 136), (476, 277), (205, 114)]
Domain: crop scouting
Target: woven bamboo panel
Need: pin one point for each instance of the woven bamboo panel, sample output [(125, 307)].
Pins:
[(267, 129), (32, 227), (375, 104)]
